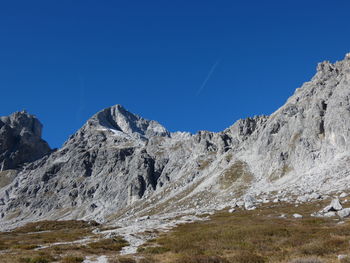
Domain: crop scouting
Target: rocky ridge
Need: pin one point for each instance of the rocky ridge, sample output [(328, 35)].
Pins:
[(120, 167)]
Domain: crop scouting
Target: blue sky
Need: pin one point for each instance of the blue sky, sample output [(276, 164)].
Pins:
[(191, 65)]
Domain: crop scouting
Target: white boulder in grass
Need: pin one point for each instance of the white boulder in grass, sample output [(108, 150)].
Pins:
[(335, 205), (249, 202), (342, 195), (231, 210), (330, 214), (344, 212), (297, 216)]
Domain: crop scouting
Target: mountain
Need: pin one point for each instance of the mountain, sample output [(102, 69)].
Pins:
[(119, 166), (20, 140)]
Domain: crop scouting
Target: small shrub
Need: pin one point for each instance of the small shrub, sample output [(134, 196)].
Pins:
[(345, 260), (37, 259), (40, 259), (313, 248), (306, 260), (122, 260), (201, 259), (25, 246), (153, 250), (113, 244), (72, 259), (320, 248), (247, 257)]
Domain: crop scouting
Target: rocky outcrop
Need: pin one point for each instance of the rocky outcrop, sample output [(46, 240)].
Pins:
[(120, 165), (20, 140)]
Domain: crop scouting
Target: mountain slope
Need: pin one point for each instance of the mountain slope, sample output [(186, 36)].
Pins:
[(120, 166)]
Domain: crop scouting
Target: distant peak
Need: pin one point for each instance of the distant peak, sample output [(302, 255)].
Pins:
[(23, 120), (118, 118)]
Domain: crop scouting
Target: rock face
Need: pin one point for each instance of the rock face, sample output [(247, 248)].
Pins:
[(119, 165), (20, 140)]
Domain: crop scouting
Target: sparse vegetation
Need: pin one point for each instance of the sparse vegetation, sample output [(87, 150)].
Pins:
[(122, 260), (111, 244), (72, 259), (307, 260), (22, 242), (153, 250), (237, 175), (255, 236), (43, 258)]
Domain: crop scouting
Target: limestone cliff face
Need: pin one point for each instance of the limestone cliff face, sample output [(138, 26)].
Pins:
[(119, 164)]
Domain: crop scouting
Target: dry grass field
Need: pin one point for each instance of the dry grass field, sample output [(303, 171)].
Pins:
[(256, 236)]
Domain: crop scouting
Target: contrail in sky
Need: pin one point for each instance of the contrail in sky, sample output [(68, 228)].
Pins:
[(211, 71)]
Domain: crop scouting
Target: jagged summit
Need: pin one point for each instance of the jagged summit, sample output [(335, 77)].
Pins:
[(22, 121), (117, 118)]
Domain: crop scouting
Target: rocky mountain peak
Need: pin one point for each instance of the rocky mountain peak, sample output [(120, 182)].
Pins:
[(22, 121), (117, 118), (20, 140)]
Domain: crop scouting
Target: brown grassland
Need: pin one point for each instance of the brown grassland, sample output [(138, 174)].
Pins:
[(256, 236)]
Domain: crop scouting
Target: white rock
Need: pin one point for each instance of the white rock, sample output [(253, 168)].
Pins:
[(249, 202), (330, 214), (252, 208), (342, 256), (283, 216), (344, 212), (342, 195), (240, 203), (276, 200), (303, 198), (265, 201), (336, 204), (297, 216), (326, 209), (315, 196), (333, 206), (231, 210)]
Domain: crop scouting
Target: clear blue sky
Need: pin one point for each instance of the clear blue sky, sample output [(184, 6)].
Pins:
[(191, 65)]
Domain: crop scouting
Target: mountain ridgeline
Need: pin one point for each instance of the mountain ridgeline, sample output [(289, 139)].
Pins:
[(120, 165)]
